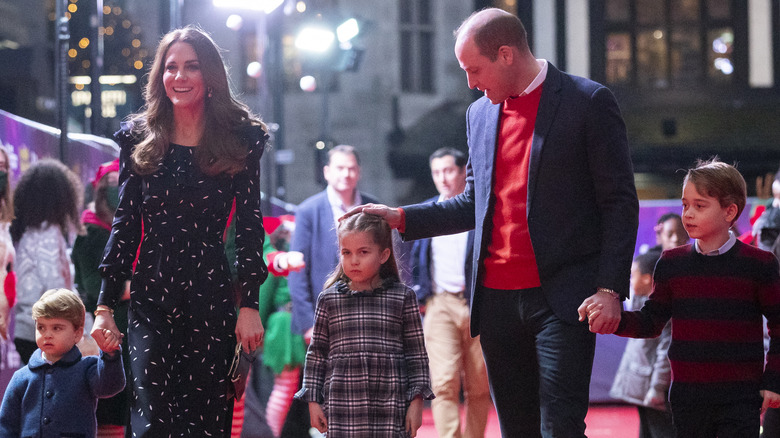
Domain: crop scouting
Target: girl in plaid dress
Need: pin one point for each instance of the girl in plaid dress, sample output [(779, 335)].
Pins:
[(366, 371)]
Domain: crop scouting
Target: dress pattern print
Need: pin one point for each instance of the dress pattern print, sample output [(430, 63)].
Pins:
[(366, 360), (182, 306)]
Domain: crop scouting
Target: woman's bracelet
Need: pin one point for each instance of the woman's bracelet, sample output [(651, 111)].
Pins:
[(102, 308)]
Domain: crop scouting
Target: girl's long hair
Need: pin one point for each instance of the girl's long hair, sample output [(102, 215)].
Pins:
[(381, 233), (220, 149), (47, 192)]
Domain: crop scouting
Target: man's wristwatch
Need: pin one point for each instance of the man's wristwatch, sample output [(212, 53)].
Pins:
[(614, 294)]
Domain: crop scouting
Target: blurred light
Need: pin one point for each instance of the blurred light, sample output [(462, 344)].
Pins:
[(126, 24), (106, 10), (109, 30), (84, 43), (104, 79), (254, 69), (79, 86), (314, 39), (266, 6), (117, 10), (136, 43), (125, 52), (72, 8), (308, 83), (85, 63), (234, 22), (138, 65), (72, 53), (718, 46), (300, 7), (658, 34), (724, 65), (320, 145), (136, 30), (347, 30)]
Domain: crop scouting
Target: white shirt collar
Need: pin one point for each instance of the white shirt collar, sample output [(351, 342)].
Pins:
[(337, 206), (539, 79), (722, 250)]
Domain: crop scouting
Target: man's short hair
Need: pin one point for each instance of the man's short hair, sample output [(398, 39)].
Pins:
[(460, 157), (721, 181), (503, 29), (344, 149), (60, 303), (667, 216)]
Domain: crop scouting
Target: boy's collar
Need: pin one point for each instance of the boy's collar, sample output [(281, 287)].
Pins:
[(722, 250), (70, 358)]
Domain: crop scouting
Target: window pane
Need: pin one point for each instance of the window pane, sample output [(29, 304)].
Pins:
[(686, 57), (426, 62), (720, 62), (651, 59), (423, 12), (407, 63), (649, 12), (719, 9), (617, 11), (618, 58), (684, 11), (405, 11)]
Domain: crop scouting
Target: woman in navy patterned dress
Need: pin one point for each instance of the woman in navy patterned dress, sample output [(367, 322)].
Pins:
[(184, 160), (366, 371)]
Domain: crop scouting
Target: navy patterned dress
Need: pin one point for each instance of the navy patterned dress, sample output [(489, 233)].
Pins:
[(182, 314), (366, 360)]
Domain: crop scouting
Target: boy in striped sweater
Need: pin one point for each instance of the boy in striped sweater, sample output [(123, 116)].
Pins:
[(715, 291)]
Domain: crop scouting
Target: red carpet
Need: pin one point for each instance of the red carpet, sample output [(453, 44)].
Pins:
[(603, 421)]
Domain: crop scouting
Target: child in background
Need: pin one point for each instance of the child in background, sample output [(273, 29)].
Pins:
[(715, 292), (56, 393), (644, 373), (766, 229), (366, 371)]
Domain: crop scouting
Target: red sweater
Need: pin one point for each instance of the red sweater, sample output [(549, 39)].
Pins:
[(716, 305), (511, 263)]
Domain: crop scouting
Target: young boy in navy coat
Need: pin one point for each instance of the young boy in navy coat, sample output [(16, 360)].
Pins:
[(56, 393)]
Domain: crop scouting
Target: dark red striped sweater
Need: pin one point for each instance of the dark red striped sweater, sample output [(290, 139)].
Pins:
[(715, 304)]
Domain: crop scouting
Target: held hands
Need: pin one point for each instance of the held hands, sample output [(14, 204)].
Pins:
[(111, 341), (771, 400), (602, 311), (249, 329), (414, 416), (317, 417), (391, 215), (106, 333)]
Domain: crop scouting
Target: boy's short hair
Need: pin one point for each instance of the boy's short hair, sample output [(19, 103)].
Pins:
[(60, 303), (721, 181), (646, 262)]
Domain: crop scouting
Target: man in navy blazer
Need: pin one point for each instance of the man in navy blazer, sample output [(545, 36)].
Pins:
[(315, 233), (550, 193)]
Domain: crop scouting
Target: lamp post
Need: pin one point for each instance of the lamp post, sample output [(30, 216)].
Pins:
[(61, 73)]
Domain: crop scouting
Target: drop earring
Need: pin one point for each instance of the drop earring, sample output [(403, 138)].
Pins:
[(210, 90)]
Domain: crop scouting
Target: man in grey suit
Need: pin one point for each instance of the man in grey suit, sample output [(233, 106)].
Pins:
[(550, 195)]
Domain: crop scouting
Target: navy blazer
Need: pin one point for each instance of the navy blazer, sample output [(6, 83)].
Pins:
[(582, 207), (422, 282), (314, 236)]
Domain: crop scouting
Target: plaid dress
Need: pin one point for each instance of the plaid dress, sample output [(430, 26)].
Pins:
[(366, 360)]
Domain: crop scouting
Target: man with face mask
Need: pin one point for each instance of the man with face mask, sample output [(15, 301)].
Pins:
[(86, 255)]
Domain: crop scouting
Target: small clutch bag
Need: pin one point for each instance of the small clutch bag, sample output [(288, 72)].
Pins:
[(239, 372)]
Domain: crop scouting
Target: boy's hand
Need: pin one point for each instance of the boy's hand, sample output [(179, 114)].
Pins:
[(111, 341), (602, 311), (771, 400), (103, 321), (414, 416), (317, 417)]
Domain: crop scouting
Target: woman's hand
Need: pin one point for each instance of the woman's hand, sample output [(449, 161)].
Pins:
[(249, 329), (105, 321)]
